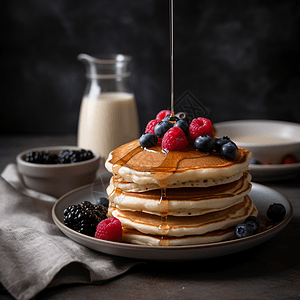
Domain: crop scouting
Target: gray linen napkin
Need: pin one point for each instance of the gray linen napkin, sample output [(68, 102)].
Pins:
[(34, 252)]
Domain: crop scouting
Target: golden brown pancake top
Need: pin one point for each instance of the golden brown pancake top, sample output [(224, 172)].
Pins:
[(133, 156)]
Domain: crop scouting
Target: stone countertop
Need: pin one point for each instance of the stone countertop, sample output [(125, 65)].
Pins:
[(268, 271)]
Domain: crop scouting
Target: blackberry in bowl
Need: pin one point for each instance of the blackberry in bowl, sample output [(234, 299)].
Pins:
[(57, 170)]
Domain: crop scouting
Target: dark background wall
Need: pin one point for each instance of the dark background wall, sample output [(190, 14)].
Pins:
[(241, 59)]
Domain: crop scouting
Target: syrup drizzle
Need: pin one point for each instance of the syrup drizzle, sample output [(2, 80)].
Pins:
[(153, 151), (164, 227), (124, 159), (163, 195), (172, 159), (171, 16)]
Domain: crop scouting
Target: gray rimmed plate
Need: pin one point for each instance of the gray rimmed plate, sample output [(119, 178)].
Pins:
[(262, 197)]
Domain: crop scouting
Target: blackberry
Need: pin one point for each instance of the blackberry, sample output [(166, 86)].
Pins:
[(85, 155), (63, 157), (67, 156), (103, 201), (34, 157), (84, 217), (41, 157)]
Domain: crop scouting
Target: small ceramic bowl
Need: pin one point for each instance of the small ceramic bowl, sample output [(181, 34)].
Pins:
[(269, 141), (57, 179)]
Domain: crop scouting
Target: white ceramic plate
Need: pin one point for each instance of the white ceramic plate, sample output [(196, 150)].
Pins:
[(262, 196)]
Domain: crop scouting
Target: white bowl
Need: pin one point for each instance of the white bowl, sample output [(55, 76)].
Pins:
[(269, 141), (57, 179)]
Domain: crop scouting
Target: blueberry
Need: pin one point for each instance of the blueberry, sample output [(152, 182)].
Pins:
[(253, 224), (221, 141), (162, 127), (183, 125), (276, 212), (184, 116), (204, 143), (254, 219), (255, 162), (102, 201), (229, 150), (148, 140), (243, 230), (171, 119), (166, 118)]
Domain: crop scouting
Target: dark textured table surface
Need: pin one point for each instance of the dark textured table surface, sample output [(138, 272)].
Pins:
[(268, 271)]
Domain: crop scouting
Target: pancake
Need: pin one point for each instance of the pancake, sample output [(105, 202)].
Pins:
[(135, 237), (150, 169), (182, 226), (184, 201), (119, 182), (180, 197)]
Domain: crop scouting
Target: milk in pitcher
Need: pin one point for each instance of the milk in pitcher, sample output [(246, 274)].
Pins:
[(107, 122)]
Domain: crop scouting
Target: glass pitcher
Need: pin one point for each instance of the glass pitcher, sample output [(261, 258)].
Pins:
[(108, 115)]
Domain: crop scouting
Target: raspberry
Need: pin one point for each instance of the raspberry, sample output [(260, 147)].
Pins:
[(289, 159), (159, 140), (174, 139), (110, 230), (161, 115), (199, 127), (150, 126)]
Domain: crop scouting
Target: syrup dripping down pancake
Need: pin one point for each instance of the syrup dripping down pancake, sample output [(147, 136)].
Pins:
[(184, 201), (182, 226), (135, 237), (153, 169)]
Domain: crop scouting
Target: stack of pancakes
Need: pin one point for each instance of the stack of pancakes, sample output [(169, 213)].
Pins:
[(180, 198)]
